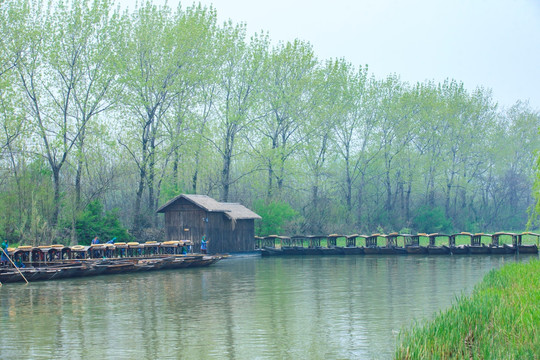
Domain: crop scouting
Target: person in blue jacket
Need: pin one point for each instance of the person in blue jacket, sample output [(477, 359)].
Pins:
[(203, 244), (4, 259)]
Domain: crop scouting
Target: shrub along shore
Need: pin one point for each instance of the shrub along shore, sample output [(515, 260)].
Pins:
[(500, 320)]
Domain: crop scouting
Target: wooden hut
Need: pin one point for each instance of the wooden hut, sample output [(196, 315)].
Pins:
[(229, 227)]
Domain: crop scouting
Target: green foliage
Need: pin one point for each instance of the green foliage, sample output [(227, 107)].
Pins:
[(138, 106), (499, 321), (26, 203), (275, 216), (534, 210), (94, 222), (431, 220), (171, 189), (405, 231)]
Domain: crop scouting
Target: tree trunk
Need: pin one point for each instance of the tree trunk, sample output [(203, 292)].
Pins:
[(151, 173), (348, 180), (226, 171), (195, 177), (270, 182), (175, 169), (138, 199), (408, 202), (225, 178), (388, 185), (360, 213), (77, 205), (56, 181)]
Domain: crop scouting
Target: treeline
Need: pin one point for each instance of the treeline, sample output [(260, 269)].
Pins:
[(100, 105)]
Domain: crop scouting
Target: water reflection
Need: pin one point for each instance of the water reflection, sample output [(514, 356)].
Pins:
[(246, 308)]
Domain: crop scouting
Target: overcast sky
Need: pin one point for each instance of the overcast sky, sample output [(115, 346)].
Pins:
[(489, 43)]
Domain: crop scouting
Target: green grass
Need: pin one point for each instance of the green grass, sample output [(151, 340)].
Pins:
[(500, 320)]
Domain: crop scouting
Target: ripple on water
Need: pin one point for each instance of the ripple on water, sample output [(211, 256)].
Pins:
[(247, 308)]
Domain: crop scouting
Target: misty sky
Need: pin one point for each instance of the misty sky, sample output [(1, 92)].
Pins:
[(490, 43)]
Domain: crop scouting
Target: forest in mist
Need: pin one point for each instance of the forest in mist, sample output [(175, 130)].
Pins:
[(106, 114)]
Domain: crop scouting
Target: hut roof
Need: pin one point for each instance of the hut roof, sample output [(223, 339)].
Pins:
[(203, 201), (239, 212), (233, 211)]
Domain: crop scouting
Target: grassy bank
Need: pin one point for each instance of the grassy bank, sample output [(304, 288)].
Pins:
[(500, 320)]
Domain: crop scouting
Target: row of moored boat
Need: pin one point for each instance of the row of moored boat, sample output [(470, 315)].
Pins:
[(399, 244), (50, 262)]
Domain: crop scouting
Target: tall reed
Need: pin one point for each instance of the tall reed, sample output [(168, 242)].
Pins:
[(500, 320)]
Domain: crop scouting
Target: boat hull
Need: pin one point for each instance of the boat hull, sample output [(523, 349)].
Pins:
[(479, 250), (438, 250), (330, 251), (72, 269), (352, 250), (371, 250), (312, 251), (416, 250), (505, 249), (269, 251), (459, 250), (289, 250), (527, 249)]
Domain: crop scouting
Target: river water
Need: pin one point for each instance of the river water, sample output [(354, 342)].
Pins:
[(335, 307)]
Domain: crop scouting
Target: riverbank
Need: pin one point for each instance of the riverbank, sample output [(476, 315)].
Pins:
[(500, 320)]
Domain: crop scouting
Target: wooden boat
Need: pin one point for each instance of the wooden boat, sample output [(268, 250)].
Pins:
[(143, 266), (352, 250), (152, 263), (329, 251), (312, 251), (412, 245), (372, 247), (9, 276), (177, 263), (384, 250), (300, 250), (118, 267), (497, 247), (205, 261), (371, 250), (291, 250), (57, 261), (268, 241), (502, 249), (190, 261), (416, 250), (331, 240), (433, 248), (38, 274), (438, 250), (527, 249), (398, 250), (270, 251), (92, 270), (297, 241), (67, 272), (459, 250), (479, 249)]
